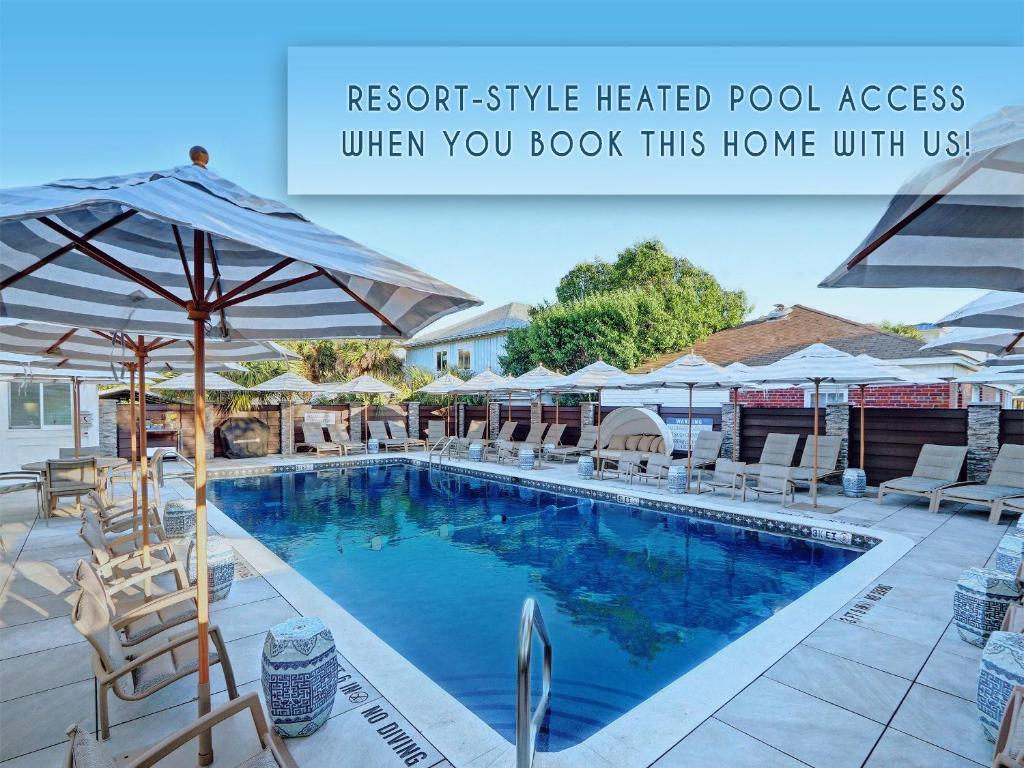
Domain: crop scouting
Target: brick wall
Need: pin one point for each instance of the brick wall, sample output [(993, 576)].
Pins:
[(916, 396), (772, 398)]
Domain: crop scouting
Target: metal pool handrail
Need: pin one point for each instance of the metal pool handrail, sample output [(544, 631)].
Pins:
[(440, 448), (528, 724)]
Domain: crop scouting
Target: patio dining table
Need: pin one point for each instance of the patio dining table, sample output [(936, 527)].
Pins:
[(104, 465)]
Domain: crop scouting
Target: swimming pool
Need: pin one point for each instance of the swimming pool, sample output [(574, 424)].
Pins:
[(437, 565)]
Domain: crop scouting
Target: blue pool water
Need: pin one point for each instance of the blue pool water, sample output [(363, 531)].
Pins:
[(438, 565)]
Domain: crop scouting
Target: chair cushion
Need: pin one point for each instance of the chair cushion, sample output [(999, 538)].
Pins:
[(86, 752), (182, 659), (915, 484), (633, 441), (985, 492), (152, 623), (644, 443), (617, 443)]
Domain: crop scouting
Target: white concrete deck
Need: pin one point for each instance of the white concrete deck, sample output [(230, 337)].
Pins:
[(892, 685)]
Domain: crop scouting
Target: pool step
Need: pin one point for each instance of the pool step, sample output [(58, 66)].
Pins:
[(577, 708)]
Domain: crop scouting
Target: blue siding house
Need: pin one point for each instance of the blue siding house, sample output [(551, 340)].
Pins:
[(470, 345)]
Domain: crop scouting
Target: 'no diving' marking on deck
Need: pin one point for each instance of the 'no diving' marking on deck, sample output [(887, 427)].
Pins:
[(858, 610)]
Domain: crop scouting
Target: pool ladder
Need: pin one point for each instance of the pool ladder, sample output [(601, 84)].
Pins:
[(527, 723), (440, 448)]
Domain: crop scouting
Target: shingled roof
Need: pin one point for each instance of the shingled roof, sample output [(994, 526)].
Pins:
[(784, 331), (499, 320)]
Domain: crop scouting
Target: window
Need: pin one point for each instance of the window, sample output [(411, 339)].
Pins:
[(39, 406), (442, 360), (464, 360), (829, 396)]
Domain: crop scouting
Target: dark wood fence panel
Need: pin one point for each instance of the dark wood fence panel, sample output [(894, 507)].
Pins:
[(894, 436), (757, 423), (565, 414), (520, 415), (438, 413), (157, 412), (1011, 427), (342, 415), (474, 413)]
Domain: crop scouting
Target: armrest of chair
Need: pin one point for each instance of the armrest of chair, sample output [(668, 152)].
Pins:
[(134, 579), (175, 741), (125, 560), (155, 653)]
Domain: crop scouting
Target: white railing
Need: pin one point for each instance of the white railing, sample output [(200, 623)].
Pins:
[(527, 723)]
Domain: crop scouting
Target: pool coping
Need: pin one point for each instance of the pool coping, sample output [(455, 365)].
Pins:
[(649, 730)]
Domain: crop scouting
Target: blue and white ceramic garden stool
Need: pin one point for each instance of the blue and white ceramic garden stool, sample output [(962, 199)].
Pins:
[(855, 482), (1002, 667), (980, 602), (585, 468), (300, 675), (1009, 554), (220, 566), (476, 452), (676, 479), (179, 518), (373, 445), (527, 457)]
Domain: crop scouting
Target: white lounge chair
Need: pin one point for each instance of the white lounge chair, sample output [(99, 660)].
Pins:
[(509, 449), (379, 432), (585, 444), (778, 451), (1005, 481), (399, 432), (340, 437), (937, 467), (773, 480), (435, 433), (829, 447), (654, 468), (313, 440), (727, 474)]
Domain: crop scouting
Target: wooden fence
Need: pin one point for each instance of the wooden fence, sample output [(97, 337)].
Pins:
[(438, 413), (568, 415), (520, 415), (1011, 427), (474, 413), (894, 436), (757, 423), (158, 412)]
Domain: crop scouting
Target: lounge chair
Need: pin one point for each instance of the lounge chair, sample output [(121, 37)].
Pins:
[(585, 444), (1005, 481), (313, 440), (509, 449), (621, 465), (554, 435), (706, 450), (773, 480), (654, 468), (474, 434), (399, 432), (727, 474), (379, 432), (340, 437), (778, 451), (937, 467), (498, 444), (122, 551), (85, 752), (134, 678), (435, 433), (828, 457), (1010, 740)]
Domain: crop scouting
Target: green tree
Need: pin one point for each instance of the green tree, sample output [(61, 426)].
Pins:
[(901, 329), (644, 303)]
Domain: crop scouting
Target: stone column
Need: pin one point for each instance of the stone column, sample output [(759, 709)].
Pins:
[(413, 415), (494, 419), (982, 439), (287, 427), (587, 414), (536, 411), (355, 422), (837, 423), (460, 410), (107, 423), (732, 427)]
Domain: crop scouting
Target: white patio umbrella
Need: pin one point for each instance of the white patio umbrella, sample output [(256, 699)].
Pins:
[(132, 253), (367, 386), (592, 378), (1003, 361), (539, 380), (690, 372), (955, 225), (815, 365), (443, 385), (998, 309), (486, 384), (996, 341), (287, 382), (187, 381), (996, 376)]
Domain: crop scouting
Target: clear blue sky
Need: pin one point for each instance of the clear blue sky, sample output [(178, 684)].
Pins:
[(92, 88)]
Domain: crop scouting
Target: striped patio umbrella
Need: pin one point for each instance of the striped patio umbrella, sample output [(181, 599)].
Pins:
[(187, 381), (186, 253), (367, 386), (998, 309), (539, 380), (592, 378), (816, 365), (995, 341), (287, 382), (443, 385), (958, 224)]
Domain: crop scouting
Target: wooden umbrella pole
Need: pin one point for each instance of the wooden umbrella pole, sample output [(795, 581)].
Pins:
[(76, 407), (199, 317), (600, 475), (140, 357), (133, 430), (689, 439), (814, 477)]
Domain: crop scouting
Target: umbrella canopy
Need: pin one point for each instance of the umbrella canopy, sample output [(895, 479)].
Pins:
[(287, 382), (442, 385), (114, 253), (484, 384), (591, 378), (1013, 361), (100, 349), (958, 224), (187, 381), (539, 379), (1009, 376), (998, 309), (992, 340), (365, 385), (903, 374)]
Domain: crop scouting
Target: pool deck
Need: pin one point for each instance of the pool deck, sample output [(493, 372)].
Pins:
[(882, 682)]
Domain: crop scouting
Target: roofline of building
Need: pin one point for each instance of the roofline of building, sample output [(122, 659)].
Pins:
[(459, 337)]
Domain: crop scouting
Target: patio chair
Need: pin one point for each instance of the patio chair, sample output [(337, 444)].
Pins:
[(154, 471), (313, 440), (727, 474), (16, 482), (585, 444), (69, 477), (1005, 481), (773, 480), (122, 550), (509, 449), (140, 617), (435, 433), (1009, 752), (937, 467), (554, 435), (778, 451), (706, 449), (399, 432), (654, 468), (85, 752), (829, 447), (621, 465), (115, 517), (379, 432), (134, 678), (340, 437), (500, 443)]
